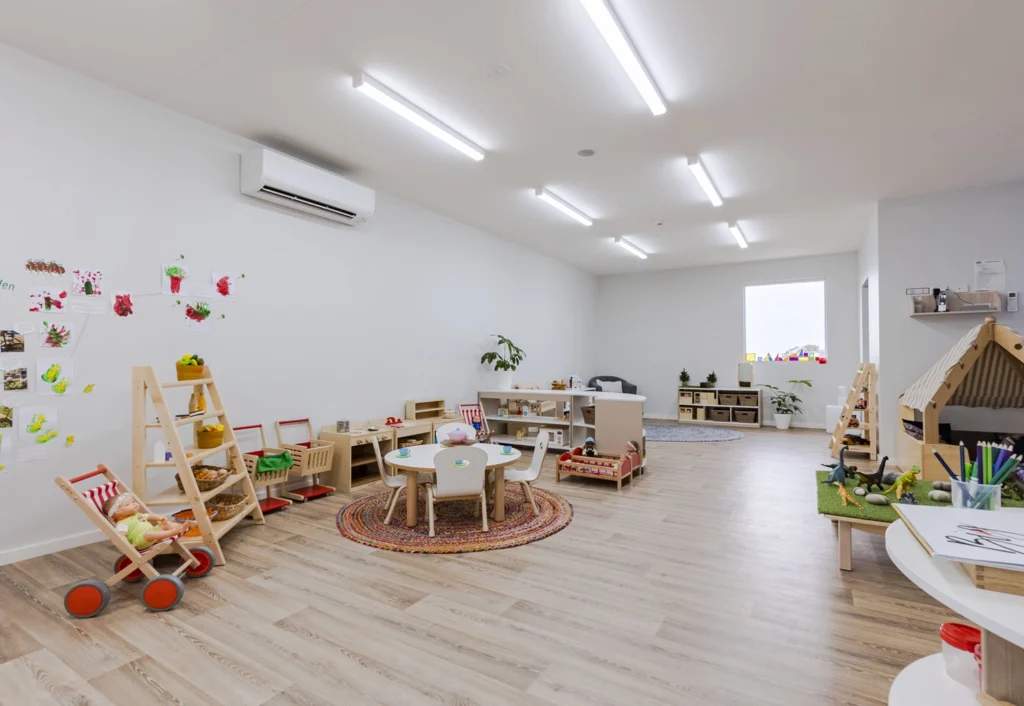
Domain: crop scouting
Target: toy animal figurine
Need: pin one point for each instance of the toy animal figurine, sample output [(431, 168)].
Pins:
[(908, 499), (840, 470), (845, 496), (904, 483), (872, 479), (589, 447)]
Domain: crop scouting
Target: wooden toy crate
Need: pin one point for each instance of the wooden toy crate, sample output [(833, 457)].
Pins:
[(602, 466), (267, 478), (311, 457)]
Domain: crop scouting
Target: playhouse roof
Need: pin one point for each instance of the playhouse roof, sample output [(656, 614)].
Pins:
[(995, 380)]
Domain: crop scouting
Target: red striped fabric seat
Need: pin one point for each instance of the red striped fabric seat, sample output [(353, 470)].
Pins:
[(99, 495)]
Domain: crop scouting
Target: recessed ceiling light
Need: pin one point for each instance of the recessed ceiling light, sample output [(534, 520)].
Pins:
[(421, 119), (611, 29), (701, 175), (585, 153), (563, 206), (630, 248), (734, 228)]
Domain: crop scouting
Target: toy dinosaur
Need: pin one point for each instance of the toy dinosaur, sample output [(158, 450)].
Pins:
[(840, 470), (872, 479), (908, 499), (845, 496), (904, 483)]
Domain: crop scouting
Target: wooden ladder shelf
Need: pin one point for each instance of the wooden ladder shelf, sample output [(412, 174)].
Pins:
[(863, 391), (146, 386)]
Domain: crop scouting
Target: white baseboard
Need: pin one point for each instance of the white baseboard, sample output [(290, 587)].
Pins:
[(31, 551)]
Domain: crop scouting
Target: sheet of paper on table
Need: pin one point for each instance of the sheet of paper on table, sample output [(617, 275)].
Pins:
[(970, 536)]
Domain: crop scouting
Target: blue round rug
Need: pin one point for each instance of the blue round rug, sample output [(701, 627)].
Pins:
[(689, 432)]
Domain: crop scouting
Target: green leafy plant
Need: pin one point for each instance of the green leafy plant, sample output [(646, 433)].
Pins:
[(786, 401), (512, 358), (712, 378), (684, 378)]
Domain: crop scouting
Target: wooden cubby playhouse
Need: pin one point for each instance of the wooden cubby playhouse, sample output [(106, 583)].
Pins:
[(984, 369)]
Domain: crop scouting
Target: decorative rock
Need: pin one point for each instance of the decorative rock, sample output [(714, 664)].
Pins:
[(859, 491), (877, 499), (940, 496), (889, 477), (942, 485)]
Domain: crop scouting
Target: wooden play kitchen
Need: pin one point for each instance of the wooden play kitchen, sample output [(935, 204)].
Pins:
[(147, 391), (858, 419), (721, 406)]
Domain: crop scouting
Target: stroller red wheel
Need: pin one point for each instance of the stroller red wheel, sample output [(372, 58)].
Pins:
[(162, 593), (121, 564), (86, 598), (205, 558)]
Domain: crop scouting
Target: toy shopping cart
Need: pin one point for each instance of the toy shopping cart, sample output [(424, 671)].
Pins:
[(162, 591)]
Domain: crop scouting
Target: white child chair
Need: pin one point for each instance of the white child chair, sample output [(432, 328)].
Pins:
[(458, 482), (526, 476), (445, 429), (395, 483)]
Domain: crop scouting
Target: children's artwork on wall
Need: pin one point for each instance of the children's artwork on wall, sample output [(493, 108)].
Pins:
[(174, 279), (6, 417), (197, 315), (87, 283), (47, 300), (37, 421), (121, 303), (89, 388), (6, 444), (56, 335), (44, 267), (55, 375), (12, 341), (224, 284), (16, 379)]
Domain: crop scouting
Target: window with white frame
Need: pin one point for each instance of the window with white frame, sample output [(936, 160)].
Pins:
[(784, 319)]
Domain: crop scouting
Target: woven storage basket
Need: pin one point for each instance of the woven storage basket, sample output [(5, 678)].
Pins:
[(209, 439), (204, 485), (191, 372), (227, 505)]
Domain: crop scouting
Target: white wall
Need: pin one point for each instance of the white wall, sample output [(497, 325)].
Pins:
[(933, 241), (867, 263), (331, 323), (653, 325)]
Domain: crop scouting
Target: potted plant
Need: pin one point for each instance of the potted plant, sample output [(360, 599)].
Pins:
[(786, 403), (190, 367), (684, 378), (504, 361), (711, 381)]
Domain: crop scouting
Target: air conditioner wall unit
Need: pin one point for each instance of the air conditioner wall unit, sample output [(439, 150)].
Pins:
[(280, 179)]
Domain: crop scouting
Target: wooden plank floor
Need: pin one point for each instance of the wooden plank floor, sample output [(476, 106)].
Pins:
[(710, 581)]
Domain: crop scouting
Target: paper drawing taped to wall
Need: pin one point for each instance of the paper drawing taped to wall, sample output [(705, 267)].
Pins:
[(56, 375), (224, 284), (12, 341), (16, 379), (37, 424), (6, 417), (56, 335), (174, 279), (87, 283), (197, 315), (121, 303), (47, 300)]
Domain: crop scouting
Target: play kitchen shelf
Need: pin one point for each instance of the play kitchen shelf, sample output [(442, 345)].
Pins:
[(148, 390), (417, 410), (721, 406), (354, 462)]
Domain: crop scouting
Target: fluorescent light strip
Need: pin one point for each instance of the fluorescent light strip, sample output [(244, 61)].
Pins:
[(701, 175), (734, 228), (630, 248), (611, 29), (563, 206), (394, 102)]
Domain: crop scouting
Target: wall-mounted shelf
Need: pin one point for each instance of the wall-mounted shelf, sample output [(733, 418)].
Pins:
[(958, 303)]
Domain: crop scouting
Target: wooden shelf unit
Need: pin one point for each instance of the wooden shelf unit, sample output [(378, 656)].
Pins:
[(958, 303), (721, 406), (146, 387), (418, 410), (864, 391), (354, 462)]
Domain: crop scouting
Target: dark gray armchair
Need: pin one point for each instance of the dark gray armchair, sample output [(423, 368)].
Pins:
[(627, 387)]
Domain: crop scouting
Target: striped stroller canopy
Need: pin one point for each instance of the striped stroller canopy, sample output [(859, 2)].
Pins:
[(100, 494)]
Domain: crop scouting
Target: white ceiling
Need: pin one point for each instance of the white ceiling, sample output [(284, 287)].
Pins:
[(803, 111)]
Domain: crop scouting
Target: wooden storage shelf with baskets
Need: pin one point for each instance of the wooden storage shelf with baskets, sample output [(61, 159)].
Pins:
[(198, 494), (312, 457), (732, 406)]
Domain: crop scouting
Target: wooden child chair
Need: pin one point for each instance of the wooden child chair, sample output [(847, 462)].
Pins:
[(455, 482), (266, 479), (312, 457), (162, 591)]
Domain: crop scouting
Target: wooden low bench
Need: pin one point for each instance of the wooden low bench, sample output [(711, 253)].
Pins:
[(844, 527)]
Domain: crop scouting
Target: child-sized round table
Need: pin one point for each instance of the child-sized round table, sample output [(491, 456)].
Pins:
[(421, 460)]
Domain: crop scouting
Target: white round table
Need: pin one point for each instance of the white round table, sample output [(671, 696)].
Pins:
[(999, 615), (421, 460)]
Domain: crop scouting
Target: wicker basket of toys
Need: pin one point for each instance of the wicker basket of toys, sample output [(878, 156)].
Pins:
[(207, 477), (227, 505), (190, 367)]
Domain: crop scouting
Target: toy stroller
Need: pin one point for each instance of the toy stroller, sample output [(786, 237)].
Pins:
[(162, 591)]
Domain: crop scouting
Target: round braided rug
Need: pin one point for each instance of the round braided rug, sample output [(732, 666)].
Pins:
[(456, 528)]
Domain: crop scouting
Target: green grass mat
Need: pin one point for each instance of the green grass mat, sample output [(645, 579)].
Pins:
[(830, 504)]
